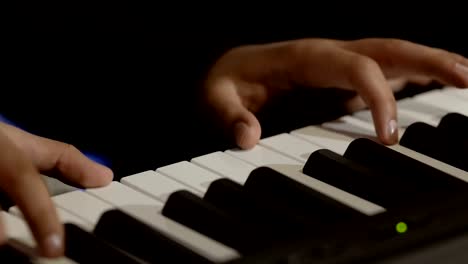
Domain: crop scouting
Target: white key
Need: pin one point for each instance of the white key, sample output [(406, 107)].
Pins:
[(441, 100), (190, 174), (90, 207), (155, 184), (83, 205), (405, 117), (334, 138), (128, 200), (295, 172), (225, 165), (290, 146), (17, 229), (433, 113), (64, 217), (457, 92), (261, 156)]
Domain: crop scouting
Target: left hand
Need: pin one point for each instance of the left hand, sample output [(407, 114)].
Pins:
[(246, 77)]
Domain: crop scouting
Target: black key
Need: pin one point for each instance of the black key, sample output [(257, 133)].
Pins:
[(9, 254), (278, 222), (345, 174), (454, 124), (131, 235), (404, 175), (307, 203), (192, 211), (428, 140), (84, 247)]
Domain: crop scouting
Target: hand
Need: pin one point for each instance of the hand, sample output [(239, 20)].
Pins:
[(245, 78), (24, 156)]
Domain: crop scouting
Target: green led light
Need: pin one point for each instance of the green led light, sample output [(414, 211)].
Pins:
[(401, 227)]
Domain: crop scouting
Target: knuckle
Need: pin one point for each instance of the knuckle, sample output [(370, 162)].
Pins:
[(360, 67), (393, 44)]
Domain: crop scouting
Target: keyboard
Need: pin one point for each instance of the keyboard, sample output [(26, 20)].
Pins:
[(326, 193)]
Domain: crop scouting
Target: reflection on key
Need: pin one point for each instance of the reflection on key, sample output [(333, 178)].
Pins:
[(82, 204), (295, 173), (290, 146), (64, 217), (261, 156), (128, 200), (225, 165), (325, 138), (189, 174), (444, 101), (155, 184)]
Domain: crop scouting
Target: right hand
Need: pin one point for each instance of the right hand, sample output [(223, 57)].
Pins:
[(23, 156)]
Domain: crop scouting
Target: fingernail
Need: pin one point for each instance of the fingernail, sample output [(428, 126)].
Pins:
[(392, 130), (53, 244)]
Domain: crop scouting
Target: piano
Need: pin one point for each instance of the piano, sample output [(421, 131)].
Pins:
[(326, 193)]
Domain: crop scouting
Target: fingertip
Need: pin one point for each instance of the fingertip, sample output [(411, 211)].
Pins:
[(389, 134), (246, 136), (105, 174), (53, 245)]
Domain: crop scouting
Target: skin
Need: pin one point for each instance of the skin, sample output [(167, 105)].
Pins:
[(245, 78), (236, 88)]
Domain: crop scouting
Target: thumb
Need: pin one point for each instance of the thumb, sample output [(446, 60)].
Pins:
[(230, 110)]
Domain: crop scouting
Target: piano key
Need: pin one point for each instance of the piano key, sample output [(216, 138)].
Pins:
[(267, 183), (290, 146), (202, 216), (356, 178), (225, 165), (82, 204), (455, 91), (431, 113), (128, 200), (155, 184), (442, 146), (255, 208), (64, 217), (450, 103), (261, 156), (336, 136), (189, 174), (405, 117), (91, 208), (326, 139), (454, 125), (398, 166), (143, 241), (346, 198), (84, 247), (17, 229), (10, 254)]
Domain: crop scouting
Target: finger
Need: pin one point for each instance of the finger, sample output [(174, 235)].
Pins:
[(21, 181), (241, 124), (404, 58), (70, 163), (346, 69)]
